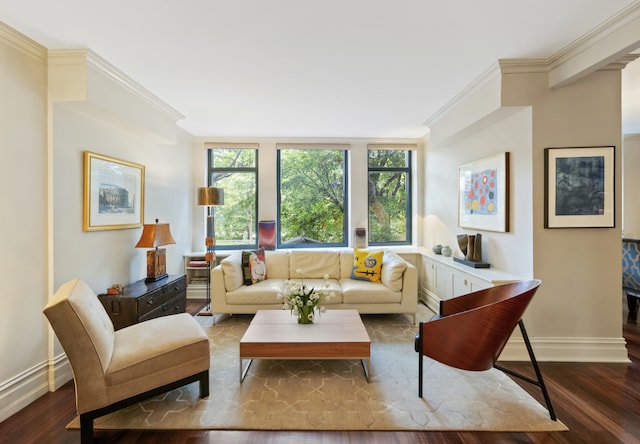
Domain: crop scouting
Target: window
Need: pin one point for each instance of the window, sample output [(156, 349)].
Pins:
[(312, 196), (389, 193), (236, 171)]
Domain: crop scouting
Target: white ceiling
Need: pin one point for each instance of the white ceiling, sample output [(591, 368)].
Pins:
[(314, 68)]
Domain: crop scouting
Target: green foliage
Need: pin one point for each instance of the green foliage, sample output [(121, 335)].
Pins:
[(312, 189), (235, 171), (388, 195)]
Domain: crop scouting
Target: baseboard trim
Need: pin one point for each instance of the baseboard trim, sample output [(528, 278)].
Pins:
[(24, 388), (608, 350), (21, 390), (59, 372)]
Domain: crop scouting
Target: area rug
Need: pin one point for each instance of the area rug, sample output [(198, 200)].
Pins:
[(335, 395)]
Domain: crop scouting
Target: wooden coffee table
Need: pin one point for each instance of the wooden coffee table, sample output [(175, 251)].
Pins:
[(276, 334)]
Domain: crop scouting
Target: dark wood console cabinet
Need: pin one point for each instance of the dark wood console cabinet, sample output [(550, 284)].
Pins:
[(142, 301)]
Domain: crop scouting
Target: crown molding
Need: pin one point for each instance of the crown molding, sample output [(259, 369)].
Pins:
[(524, 66), (620, 63), (614, 24), (22, 43), (490, 74), (102, 66), (617, 24)]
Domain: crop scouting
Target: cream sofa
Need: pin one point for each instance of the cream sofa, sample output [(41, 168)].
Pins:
[(396, 293)]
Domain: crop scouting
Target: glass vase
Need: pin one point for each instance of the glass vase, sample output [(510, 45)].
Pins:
[(305, 315)]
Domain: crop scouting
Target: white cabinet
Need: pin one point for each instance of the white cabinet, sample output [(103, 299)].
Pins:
[(435, 279), (463, 284), (441, 278)]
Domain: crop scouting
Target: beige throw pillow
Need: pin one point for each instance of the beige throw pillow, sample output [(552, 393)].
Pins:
[(393, 267), (232, 270)]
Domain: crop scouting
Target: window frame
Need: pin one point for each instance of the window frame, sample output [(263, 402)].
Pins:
[(212, 170), (346, 194), (407, 169)]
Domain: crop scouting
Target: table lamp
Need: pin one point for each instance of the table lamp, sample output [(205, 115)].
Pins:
[(154, 236), (210, 197)]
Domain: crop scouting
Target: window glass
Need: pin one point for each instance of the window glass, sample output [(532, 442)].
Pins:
[(389, 196), (312, 197), (235, 171)]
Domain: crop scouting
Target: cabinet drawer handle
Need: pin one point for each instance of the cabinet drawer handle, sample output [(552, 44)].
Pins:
[(165, 307), (150, 302)]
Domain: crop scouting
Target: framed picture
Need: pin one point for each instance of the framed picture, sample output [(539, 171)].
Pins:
[(483, 196), (579, 187), (113, 193)]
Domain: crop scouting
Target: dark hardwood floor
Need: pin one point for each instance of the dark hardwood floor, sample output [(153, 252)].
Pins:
[(600, 403)]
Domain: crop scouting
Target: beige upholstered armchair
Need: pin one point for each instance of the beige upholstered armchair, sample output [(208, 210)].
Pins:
[(114, 369)]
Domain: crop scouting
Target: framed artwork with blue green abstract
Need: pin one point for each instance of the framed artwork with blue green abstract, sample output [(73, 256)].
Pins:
[(579, 187)]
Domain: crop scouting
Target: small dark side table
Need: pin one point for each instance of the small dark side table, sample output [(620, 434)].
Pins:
[(141, 301)]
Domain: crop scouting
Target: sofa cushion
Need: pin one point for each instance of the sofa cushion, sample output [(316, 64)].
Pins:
[(314, 264), (232, 271), (142, 352), (346, 263), (363, 292), (367, 265), (263, 292), (277, 264), (393, 267)]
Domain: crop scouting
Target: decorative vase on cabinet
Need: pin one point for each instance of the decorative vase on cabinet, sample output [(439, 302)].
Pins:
[(446, 251)]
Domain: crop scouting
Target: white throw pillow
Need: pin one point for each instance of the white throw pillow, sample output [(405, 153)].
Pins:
[(393, 267), (232, 270)]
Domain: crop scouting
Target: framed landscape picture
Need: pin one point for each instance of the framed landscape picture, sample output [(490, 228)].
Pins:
[(483, 196), (579, 187), (113, 193)]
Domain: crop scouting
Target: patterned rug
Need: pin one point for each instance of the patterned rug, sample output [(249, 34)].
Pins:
[(335, 395)]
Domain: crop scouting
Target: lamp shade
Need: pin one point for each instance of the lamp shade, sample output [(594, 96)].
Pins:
[(210, 196), (155, 235)]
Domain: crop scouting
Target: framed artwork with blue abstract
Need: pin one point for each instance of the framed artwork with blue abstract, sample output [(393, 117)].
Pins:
[(483, 197), (579, 187)]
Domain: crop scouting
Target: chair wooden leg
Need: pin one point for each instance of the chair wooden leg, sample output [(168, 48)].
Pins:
[(539, 382)]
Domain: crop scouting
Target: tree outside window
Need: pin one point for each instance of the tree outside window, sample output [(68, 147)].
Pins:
[(389, 196), (236, 171), (312, 197)]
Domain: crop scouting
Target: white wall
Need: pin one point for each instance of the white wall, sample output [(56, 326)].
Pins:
[(630, 187), (102, 258), (23, 198), (42, 140), (511, 251)]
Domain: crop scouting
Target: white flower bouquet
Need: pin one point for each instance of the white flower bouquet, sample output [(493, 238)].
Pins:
[(303, 301)]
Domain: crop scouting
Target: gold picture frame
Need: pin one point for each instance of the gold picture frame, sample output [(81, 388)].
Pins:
[(113, 193)]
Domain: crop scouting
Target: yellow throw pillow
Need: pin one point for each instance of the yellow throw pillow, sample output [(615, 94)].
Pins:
[(367, 265)]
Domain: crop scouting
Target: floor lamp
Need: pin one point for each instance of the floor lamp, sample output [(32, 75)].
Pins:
[(210, 197)]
